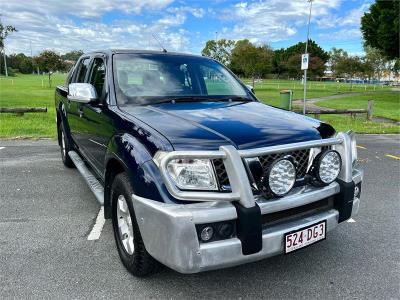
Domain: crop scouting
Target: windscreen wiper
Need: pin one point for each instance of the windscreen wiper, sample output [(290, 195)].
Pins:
[(234, 98), (198, 99)]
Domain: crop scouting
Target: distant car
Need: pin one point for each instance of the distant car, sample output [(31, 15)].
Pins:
[(193, 170)]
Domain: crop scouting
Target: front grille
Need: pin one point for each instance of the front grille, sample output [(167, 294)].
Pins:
[(220, 170), (301, 157)]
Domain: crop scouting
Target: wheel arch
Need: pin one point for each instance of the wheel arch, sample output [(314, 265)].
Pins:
[(127, 154)]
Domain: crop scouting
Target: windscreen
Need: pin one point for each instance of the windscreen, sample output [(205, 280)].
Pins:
[(151, 78)]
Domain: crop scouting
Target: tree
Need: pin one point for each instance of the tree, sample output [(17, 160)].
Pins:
[(335, 55), (284, 59), (21, 62), (376, 60), (5, 30), (72, 55), (219, 50), (316, 66), (250, 60), (380, 27), (49, 61), (349, 67)]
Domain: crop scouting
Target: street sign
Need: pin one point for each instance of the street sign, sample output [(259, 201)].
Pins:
[(304, 61)]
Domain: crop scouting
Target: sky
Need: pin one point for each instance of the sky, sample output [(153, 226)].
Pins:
[(183, 26)]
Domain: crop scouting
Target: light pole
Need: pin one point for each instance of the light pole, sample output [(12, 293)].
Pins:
[(305, 52)]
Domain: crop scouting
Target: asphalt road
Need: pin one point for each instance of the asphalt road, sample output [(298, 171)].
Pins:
[(47, 212)]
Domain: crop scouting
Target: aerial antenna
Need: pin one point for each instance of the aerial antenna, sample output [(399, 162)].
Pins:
[(158, 41)]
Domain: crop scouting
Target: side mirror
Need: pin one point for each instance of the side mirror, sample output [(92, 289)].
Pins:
[(250, 88), (82, 92)]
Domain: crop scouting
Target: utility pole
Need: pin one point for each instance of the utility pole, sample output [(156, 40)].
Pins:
[(5, 61), (216, 36), (305, 52)]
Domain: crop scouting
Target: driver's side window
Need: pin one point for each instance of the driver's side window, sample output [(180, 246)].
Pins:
[(98, 75), (82, 69)]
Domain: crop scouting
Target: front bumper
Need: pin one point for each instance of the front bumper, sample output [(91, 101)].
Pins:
[(170, 236)]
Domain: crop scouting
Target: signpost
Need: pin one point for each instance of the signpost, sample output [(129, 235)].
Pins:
[(304, 61)]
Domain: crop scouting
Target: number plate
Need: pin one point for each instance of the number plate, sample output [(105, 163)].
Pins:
[(304, 237)]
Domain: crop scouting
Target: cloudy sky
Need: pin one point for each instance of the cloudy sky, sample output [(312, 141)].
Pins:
[(185, 26)]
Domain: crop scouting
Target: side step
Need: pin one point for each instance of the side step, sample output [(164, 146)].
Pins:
[(90, 179)]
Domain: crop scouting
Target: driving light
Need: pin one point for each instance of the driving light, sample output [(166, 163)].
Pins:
[(192, 174), (328, 166), (207, 233), (281, 176)]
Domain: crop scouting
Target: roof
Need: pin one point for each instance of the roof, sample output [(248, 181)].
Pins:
[(136, 51)]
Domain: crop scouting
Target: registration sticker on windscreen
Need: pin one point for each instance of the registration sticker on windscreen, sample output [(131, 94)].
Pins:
[(304, 237)]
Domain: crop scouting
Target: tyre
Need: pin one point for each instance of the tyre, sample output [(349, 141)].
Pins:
[(65, 147), (126, 230)]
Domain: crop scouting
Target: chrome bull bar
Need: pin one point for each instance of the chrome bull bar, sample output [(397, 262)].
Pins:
[(235, 168)]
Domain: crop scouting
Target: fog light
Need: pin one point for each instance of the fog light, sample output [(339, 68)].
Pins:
[(356, 191), (207, 233), (225, 230)]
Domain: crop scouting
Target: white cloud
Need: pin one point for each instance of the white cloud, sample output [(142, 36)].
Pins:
[(351, 19), (46, 26), (82, 8), (271, 21)]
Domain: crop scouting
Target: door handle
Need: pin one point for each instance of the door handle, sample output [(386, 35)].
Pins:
[(80, 112)]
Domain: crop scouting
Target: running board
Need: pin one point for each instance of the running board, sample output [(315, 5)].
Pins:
[(90, 179)]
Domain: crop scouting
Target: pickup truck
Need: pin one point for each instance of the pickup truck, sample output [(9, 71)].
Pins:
[(194, 171)]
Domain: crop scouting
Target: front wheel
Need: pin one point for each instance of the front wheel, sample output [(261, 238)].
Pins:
[(131, 249)]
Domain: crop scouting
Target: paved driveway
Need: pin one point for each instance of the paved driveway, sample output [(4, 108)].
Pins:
[(47, 213)]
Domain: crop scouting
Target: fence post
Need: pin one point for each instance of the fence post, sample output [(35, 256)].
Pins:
[(370, 109)]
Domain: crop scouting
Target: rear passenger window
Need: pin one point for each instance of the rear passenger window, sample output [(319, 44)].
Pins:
[(83, 67), (98, 75)]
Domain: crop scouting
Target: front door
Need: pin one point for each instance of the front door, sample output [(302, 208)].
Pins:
[(96, 129), (74, 108)]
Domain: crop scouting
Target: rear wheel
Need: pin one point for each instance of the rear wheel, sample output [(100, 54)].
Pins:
[(132, 252), (65, 147)]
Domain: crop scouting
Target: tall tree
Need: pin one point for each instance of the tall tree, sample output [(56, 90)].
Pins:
[(49, 61), (376, 60), (380, 27), (219, 50), (284, 59), (72, 55), (335, 55), (250, 60), (5, 30), (349, 67)]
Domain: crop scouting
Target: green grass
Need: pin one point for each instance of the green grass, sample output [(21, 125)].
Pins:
[(386, 104), (27, 91), (268, 90), (359, 125), (33, 91)]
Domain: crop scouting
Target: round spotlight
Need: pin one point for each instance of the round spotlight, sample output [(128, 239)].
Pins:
[(281, 176), (328, 166), (207, 233)]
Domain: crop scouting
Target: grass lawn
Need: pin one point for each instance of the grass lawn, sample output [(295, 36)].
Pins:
[(27, 91), (33, 91), (386, 104), (359, 125), (268, 90)]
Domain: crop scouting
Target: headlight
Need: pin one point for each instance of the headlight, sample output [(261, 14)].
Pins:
[(192, 174), (281, 176), (328, 166)]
